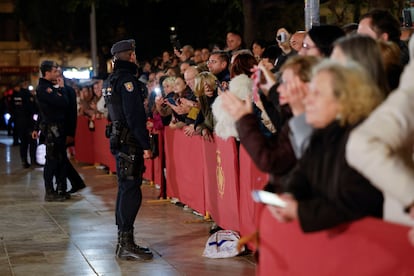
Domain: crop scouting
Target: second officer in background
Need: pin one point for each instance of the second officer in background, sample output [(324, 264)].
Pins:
[(51, 103)]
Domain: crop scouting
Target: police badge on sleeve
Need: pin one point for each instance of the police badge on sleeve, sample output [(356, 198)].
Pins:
[(129, 86)]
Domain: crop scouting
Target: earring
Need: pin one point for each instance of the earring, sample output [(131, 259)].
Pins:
[(338, 117)]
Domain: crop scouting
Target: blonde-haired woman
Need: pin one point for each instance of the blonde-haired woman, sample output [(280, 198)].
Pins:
[(205, 88), (323, 191)]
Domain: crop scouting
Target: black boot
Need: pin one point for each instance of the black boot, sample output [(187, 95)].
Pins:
[(25, 164), (117, 245), (76, 187), (61, 190), (128, 250), (51, 195)]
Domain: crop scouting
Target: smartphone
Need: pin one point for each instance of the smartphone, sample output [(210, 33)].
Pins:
[(268, 198), (174, 39), (177, 45), (221, 86), (171, 101), (255, 88)]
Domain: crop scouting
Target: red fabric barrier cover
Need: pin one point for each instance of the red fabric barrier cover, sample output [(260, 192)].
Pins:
[(210, 177), (84, 141), (251, 178), (222, 191), (149, 170), (366, 247), (184, 168), (172, 181), (158, 161), (102, 153)]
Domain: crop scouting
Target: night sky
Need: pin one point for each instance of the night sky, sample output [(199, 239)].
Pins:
[(200, 23)]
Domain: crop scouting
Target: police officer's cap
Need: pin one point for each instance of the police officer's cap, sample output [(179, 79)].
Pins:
[(47, 65), (122, 46)]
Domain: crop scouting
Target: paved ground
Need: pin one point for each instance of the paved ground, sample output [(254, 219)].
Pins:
[(78, 236)]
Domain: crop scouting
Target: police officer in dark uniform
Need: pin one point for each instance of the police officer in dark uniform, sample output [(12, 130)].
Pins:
[(52, 103), (129, 142), (23, 110)]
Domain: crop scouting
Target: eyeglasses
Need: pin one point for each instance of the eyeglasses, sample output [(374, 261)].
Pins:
[(306, 46), (212, 61)]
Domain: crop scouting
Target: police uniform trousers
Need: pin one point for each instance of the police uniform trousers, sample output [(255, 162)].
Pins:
[(75, 180), (55, 165), (129, 197), (24, 133)]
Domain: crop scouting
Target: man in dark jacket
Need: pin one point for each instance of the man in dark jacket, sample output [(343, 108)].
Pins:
[(382, 25), (218, 64), (129, 142)]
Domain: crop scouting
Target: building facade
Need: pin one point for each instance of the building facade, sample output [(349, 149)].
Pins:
[(18, 60)]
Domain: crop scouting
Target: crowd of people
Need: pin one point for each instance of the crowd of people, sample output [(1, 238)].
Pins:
[(299, 111), (327, 113)]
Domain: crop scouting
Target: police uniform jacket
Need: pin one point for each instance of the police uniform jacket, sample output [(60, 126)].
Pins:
[(51, 101), (132, 94), (71, 115), (23, 108)]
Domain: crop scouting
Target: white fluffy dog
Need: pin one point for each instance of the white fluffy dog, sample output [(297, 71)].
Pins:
[(225, 127)]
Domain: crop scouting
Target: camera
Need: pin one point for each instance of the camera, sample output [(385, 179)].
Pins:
[(174, 39), (282, 37)]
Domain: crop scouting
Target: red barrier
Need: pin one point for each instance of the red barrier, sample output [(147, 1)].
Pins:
[(210, 181), (250, 178), (159, 161), (184, 168), (149, 170), (210, 176), (221, 178), (84, 141), (172, 182), (366, 247), (102, 153)]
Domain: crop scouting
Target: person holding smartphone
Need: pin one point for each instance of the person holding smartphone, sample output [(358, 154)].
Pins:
[(282, 39)]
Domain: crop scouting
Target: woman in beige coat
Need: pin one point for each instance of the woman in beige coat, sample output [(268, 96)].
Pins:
[(381, 148)]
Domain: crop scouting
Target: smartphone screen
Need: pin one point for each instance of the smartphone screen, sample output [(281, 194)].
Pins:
[(220, 86), (268, 198), (171, 101)]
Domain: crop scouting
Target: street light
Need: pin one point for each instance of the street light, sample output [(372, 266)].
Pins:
[(94, 51), (311, 13)]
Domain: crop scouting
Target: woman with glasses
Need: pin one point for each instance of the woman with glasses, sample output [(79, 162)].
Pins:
[(319, 40)]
